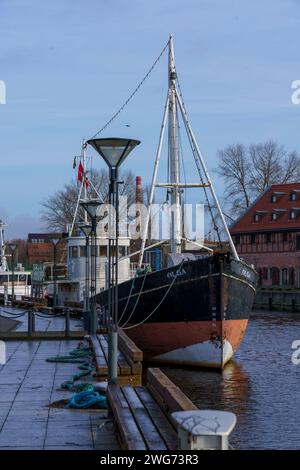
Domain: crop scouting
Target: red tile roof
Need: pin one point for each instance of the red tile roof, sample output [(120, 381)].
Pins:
[(264, 208)]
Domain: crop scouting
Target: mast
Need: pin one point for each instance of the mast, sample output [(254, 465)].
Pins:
[(174, 185), (84, 145), (3, 264), (176, 230)]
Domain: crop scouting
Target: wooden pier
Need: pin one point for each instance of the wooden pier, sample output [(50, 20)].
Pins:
[(142, 415), (24, 302), (130, 358)]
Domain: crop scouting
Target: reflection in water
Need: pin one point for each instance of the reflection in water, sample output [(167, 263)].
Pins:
[(261, 385)]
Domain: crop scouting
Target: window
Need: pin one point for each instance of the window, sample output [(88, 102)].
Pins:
[(292, 215), (265, 273), (273, 198), (274, 216), (268, 237), (73, 251), (275, 276), (298, 243), (252, 238), (121, 250), (291, 276), (293, 196), (284, 277), (103, 250), (82, 251), (284, 237), (256, 218), (237, 239)]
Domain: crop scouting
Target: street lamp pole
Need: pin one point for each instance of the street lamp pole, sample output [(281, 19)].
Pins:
[(55, 242), (113, 151), (91, 207), (13, 248), (113, 275), (87, 230)]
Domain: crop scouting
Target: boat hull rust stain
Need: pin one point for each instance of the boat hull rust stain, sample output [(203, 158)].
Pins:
[(192, 344)]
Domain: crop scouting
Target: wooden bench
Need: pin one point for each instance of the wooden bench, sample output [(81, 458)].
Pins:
[(130, 358), (143, 414)]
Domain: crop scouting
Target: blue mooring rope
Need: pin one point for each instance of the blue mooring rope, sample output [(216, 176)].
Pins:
[(86, 400)]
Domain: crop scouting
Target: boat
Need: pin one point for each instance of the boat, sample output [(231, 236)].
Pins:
[(16, 282), (195, 310)]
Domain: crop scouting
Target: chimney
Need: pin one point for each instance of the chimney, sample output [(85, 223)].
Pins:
[(138, 190)]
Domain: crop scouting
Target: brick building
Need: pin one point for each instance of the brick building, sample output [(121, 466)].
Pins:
[(268, 235), (40, 248)]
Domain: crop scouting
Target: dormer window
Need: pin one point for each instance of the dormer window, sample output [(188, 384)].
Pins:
[(292, 215), (276, 213), (258, 215), (293, 197), (274, 216), (276, 196)]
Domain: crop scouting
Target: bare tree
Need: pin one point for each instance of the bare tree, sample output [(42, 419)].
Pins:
[(234, 168), (270, 164), (58, 209), (248, 172)]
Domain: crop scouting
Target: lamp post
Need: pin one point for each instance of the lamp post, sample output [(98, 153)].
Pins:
[(91, 207), (113, 151), (87, 230), (13, 248), (55, 242)]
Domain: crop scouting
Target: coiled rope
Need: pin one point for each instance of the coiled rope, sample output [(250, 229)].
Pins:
[(86, 400)]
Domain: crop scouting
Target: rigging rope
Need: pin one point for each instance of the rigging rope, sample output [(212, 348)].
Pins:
[(160, 303), (137, 301), (128, 298), (132, 94), (216, 228)]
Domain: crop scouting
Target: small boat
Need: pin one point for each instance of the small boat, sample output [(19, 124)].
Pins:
[(195, 310), (17, 281)]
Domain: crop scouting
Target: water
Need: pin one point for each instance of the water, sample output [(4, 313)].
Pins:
[(261, 385)]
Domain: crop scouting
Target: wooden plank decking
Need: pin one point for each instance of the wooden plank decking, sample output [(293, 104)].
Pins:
[(143, 414), (129, 359), (28, 385)]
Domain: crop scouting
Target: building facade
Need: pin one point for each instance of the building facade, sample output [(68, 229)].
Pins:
[(268, 236), (40, 248)]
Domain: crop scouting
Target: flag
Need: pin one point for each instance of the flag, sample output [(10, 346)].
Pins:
[(87, 183), (74, 163), (80, 172)]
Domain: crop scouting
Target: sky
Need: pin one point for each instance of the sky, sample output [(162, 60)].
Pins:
[(68, 65)]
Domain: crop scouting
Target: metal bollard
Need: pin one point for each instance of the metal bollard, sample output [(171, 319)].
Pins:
[(67, 322), (30, 320), (204, 429), (270, 304)]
